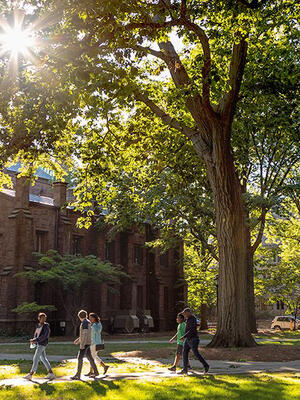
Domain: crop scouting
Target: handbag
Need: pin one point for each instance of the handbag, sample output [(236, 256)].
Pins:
[(99, 346)]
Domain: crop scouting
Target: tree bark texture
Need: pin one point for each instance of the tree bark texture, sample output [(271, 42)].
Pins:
[(203, 317), (232, 231)]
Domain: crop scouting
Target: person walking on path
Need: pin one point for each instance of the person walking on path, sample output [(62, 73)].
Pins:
[(40, 339), (84, 342), (177, 337), (191, 341), (97, 343)]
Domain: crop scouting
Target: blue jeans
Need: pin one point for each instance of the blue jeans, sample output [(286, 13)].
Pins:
[(193, 344), (40, 354)]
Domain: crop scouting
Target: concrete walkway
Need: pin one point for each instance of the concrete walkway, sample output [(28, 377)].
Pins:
[(161, 371)]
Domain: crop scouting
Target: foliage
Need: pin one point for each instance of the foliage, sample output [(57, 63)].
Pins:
[(278, 261), (200, 271), (71, 275), (33, 307)]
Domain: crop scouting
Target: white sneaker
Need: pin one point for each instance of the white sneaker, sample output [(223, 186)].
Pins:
[(28, 377), (50, 376)]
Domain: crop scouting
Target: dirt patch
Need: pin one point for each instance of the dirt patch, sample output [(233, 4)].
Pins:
[(259, 353)]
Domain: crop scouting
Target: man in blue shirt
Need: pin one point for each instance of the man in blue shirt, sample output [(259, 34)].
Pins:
[(191, 342)]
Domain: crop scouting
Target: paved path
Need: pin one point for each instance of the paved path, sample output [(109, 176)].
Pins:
[(161, 371)]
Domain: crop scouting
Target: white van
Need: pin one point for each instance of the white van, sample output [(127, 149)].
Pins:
[(284, 322)]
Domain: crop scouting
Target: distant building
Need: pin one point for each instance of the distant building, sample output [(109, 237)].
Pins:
[(34, 218), (262, 308)]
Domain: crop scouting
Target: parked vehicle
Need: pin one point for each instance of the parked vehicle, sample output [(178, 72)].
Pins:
[(285, 322)]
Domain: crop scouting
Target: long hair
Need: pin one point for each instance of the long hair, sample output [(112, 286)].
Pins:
[(95, 316)]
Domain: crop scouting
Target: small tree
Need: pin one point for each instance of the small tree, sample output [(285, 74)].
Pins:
[(71, 276), (280, 280), (33, 307)]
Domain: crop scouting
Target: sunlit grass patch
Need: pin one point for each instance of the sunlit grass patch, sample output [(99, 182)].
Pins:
[(243, 387), (14, 369), (284, 342)]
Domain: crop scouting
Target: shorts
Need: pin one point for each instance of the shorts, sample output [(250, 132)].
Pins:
[(179, 349)]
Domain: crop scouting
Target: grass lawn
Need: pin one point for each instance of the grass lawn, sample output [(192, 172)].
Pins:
[(279, 335), (282, 342), (16, 369), (71, 349), (252, 387)]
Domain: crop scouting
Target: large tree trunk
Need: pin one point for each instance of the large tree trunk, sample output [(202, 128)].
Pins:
[(203, 317), (233, 328)]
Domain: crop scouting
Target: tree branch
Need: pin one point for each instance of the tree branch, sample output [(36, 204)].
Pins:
[(228, 102), (166, 118), (260, 232), (148, 50), (207, 55), (206, 245)]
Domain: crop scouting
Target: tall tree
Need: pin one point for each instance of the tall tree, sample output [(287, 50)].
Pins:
[(199, 101)]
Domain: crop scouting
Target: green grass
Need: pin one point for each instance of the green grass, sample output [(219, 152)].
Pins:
[(256, 387), (280, 334), (16, 369), (284, 343), (71, 349)]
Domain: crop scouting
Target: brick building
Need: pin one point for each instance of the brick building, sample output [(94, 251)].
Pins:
[(34, 218)]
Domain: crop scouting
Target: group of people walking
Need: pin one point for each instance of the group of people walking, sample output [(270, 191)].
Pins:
[(90, 342)]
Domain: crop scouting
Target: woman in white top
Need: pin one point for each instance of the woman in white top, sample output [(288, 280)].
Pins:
[(96, 341)]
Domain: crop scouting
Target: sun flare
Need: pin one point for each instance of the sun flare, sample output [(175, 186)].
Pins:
[(16, 40)]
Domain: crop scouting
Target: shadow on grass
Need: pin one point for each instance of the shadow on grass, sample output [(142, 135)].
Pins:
[(266, 387)]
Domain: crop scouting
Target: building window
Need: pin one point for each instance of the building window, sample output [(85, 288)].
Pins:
[(110, 251), (163, 259), (177, 255), (76, 244), (41, 241), (110, 298), (166, 298), (280, 305), (138, 254), (140, 297)]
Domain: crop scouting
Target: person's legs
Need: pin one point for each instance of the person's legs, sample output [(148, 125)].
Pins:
[(91, 360), (175, 363), (36, 358), (186, 350), (44, 360), (80, 356), (95, 355), (194, 343)]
